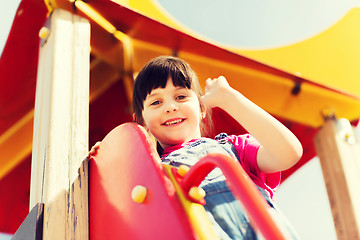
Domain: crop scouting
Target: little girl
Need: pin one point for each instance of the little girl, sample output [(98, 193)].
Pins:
[(169, 103)]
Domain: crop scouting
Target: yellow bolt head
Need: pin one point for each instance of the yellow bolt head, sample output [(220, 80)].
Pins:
[(197, 193), (347, 136), (138, 194), (44, 33), (183, 170)]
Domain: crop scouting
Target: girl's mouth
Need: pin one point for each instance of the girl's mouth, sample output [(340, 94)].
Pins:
[(172, 122)]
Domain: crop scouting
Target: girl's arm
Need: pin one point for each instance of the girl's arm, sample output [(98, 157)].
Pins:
[(279, 149)]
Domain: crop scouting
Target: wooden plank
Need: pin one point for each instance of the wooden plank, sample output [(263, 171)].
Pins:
[(339, 153), (79, 206), (60, 139)]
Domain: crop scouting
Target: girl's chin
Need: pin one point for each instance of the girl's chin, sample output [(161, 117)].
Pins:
[(175, 141), (177, 138)]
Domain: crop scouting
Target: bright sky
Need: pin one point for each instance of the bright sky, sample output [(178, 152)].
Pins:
[(258, 24), (263, 24), (7, 12)]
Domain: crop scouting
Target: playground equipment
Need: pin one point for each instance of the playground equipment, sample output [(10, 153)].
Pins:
[(113, 40)]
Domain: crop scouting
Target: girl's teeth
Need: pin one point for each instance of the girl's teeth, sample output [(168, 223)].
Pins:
[(172, 122)]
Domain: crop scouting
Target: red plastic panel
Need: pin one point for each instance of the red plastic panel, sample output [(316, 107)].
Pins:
[(125, 159)]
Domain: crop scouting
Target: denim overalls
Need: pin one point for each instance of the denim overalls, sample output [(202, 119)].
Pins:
[(225, 212)]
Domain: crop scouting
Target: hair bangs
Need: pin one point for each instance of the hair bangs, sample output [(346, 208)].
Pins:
[(158, 75), (180, 77), (154, 78)]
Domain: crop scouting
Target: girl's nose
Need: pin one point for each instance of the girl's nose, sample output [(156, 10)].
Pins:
[(171, 108)]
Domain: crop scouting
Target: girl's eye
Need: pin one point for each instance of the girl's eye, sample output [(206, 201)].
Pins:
[(155, 103), (180, 97)]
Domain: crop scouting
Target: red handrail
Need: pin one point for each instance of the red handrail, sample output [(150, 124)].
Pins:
[(242, 187)]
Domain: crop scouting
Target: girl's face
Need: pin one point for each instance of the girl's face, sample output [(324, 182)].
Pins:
[(172, 114)]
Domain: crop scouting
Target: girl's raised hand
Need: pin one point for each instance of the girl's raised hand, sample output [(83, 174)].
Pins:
[(215, 92)]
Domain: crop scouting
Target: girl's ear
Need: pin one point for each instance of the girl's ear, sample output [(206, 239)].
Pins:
[(202, 115), (202, 111), (134, 118)]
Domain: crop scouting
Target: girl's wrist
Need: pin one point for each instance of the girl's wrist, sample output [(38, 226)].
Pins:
[(229, 98)]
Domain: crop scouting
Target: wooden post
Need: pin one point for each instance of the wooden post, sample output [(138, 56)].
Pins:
[(60, 140), (339, 152)]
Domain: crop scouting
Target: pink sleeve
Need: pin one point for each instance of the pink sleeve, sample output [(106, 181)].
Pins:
[(247, 147)]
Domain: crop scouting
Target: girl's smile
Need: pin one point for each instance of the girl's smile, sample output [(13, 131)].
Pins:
[(172, 122), (172, 114)]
